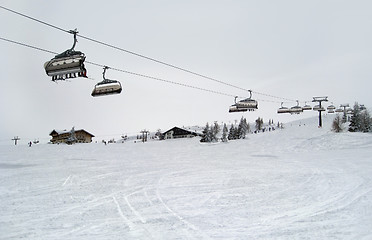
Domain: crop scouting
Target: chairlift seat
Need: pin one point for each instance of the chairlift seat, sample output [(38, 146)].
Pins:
[(107, 87)]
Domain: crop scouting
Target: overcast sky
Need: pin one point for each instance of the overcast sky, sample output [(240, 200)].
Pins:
[(290, 49)]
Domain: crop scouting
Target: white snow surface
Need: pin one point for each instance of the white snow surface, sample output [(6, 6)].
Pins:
[(302, 182)]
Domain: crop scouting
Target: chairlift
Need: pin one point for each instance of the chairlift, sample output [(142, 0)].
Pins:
[(296, 109), (283, 109), (107, 86), (248, 103), (331, 108), (235, 108), (307, 107), (318, 108), (69, 64), (339, 110)]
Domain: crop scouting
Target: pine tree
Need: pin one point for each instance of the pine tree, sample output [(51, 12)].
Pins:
[(224, 133), (365, 121), (360, 120), (232, 133), (337, 124), (206, 134), (214, 131), (355, 119), (72, 138), (242, 128)]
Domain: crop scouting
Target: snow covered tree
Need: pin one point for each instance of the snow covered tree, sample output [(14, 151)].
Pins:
[(232, 133), (360, 120), (72, 138), (206, 134), (365, 121), (242, 128), (354, 125), (158, 133), (214, 131), (224, 133), (337, 124)]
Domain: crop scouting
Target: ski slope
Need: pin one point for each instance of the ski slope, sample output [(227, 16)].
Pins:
[(301, 182)]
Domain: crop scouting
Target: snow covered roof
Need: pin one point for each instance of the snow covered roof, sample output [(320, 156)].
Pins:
[(59, 132), (182, 131)]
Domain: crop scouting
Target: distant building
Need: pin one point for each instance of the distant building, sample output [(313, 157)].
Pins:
[(71, 137), (177, 132)]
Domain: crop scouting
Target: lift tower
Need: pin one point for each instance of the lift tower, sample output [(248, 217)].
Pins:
[(15, 139), (344, 117), (320, 109)]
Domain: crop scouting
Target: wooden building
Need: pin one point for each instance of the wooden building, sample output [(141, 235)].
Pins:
[(177, 132), (71, 137)]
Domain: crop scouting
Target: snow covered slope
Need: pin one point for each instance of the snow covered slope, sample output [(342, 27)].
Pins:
[(301, 182)]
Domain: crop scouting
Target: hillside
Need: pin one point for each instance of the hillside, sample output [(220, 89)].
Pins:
[(301, 182)]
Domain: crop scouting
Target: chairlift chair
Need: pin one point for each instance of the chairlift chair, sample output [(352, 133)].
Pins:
[(296, 109), (307, 107), (318, 108), (237, 108), (283, 109), (69, 64), (107, 86), (331, 108), (339, 110), (248, 103)]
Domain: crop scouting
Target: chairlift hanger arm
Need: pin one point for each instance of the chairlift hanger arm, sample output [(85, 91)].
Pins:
[(104, 72), (75, 32), (70, 51)]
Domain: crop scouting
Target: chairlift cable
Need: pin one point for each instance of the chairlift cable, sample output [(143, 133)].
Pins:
[(125, 71), (143, 56), (26, 45), (162, 80), (34, 19)]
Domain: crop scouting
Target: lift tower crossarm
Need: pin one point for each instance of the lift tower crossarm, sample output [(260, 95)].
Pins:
[(320, 100)]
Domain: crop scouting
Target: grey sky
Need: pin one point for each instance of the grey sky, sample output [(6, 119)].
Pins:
[(291, 49)]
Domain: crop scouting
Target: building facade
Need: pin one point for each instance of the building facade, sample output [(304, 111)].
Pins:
[(71, 137), (177, 132)]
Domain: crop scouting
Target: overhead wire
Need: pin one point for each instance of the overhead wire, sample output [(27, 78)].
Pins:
[(34, 19), (145, 57), (125, 71)]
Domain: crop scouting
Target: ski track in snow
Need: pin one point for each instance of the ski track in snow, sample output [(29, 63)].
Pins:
[(126, 220), (298, 183)]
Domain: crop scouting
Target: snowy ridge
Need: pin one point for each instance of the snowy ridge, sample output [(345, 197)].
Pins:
[(301, 182)]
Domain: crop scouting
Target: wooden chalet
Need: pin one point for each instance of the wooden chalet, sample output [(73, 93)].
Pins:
[(71, 137), (177, 132)]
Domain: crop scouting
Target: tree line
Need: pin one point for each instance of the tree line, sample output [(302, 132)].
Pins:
[(360, 120), (237, 131)]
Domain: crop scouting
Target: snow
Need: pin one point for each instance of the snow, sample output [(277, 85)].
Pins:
[(302, 182)]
